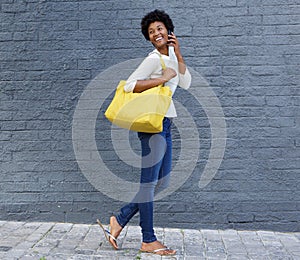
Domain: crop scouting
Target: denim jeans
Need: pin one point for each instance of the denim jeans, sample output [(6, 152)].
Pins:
[(155, 176)]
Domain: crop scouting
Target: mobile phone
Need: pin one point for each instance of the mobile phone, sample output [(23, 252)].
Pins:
[(169, 33)]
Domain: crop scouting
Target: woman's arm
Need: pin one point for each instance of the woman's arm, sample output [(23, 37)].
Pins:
[(142, 85), (184, 74), (181, 64), (140, 79)]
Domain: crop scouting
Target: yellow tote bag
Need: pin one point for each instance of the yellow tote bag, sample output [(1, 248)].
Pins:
[(141, 112)]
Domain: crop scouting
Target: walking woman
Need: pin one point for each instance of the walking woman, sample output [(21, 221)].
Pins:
[(156, 148)]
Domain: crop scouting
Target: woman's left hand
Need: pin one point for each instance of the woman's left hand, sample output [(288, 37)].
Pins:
[(173, 41)]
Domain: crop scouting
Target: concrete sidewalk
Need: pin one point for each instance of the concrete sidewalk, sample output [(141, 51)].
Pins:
[(40, 240)]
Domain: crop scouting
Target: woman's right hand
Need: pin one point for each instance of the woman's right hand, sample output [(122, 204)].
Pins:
[(142, 85), (168, 73)]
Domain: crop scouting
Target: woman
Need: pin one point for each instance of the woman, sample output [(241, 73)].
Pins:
[(156, 148)]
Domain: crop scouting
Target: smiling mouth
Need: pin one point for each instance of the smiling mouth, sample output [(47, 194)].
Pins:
[(159, 38)]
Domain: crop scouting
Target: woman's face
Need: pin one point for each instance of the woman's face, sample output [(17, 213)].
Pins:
[(158, 34)]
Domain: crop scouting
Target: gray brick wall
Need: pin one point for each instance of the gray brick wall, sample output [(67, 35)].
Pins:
[(247, 50)]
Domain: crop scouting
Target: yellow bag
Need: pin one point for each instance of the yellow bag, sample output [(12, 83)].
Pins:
[(141, 112)]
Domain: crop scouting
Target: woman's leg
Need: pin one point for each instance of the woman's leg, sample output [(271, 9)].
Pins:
[(153, 149), (156, 164), (161, 183), (126, 213), (157, 157), (166, 167)]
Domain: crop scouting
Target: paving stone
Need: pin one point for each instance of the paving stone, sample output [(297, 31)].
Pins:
[(237, 248), (150, 256), (47, 243), (8, 242), (59, 230), (58, 256), (296, 255), (193, 237), (211, 235), (297, 235), (195, 257), (3, 255), (24, 245), (257, 250), (92, 238), (80, 257), (238, 257), (5, 248), (257, 256), (281, 257), (290, 243), (15, 254), (131, 237), (192, 250), (2, 222), (173, 238)]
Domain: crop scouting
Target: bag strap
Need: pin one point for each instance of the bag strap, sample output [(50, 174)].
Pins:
[(162, 62)]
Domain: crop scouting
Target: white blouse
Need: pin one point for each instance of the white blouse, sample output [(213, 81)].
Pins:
[(151, 68)]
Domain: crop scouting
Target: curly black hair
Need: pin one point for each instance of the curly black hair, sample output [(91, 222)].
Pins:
[(154, 16)]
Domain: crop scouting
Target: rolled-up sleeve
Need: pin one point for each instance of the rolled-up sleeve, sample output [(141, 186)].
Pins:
[(185, 79), (143, 72)]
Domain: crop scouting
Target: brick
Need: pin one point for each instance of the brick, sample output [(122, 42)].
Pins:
[(94, 5), (63, 6), (279, 101), (25, 36), (11, 125), (13, 7), (6, 36), (64, 35), (5, 135), (280, 19), (251, 101)]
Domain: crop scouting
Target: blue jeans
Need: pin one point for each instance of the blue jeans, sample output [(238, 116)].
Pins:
[(155, 176)]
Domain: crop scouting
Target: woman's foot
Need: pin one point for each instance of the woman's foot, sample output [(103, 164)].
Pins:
[(115, 230), (157, 248)]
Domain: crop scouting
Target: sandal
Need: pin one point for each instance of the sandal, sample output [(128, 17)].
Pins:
[(108, 235), (167, 250)]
